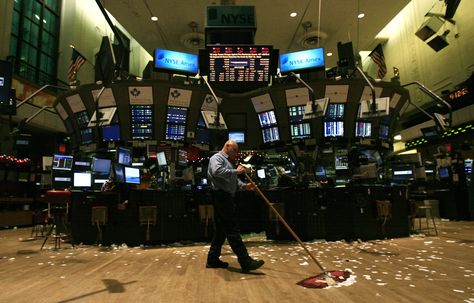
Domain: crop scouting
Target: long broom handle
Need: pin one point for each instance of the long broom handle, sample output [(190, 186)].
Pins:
[(284, 223)]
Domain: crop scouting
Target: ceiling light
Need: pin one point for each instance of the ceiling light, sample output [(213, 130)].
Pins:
[(361, 15), (293, 14), (397, 137), (154, 18), (329, 54)]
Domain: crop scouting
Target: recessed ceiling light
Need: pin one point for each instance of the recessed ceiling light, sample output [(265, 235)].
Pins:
[(361, 15), (154, 18), (329, 54), (293, 14), (397, 137)]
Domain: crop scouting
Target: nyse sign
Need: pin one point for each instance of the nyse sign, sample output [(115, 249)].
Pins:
[(176, 61)]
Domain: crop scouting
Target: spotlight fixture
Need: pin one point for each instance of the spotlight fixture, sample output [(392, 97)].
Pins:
[(293, 14), (154, 18), (329, 54), (361, 15)]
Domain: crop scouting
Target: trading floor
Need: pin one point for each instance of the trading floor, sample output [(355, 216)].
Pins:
[(412, 269)]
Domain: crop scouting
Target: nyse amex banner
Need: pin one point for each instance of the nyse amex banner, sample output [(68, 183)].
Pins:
[(307, 59), (176, 61)]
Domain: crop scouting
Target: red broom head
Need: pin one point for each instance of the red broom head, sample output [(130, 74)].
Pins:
[(321, 280)]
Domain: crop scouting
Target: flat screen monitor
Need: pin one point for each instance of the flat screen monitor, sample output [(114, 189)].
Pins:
[(306, 60), (101, 166), (182, 157), (237, 136), (82, 119), (403, 173), (267, 118), (270, 134), (178, 62), (320, 171), (363, 129), (62, 162), (132, 175), (61, 182), (87, 136), (430, 132), (300, 130), (124, 156), (341, 162), (296, 113), (119, 173), (202, 136), (111, 133), (245, 63), (335, 111), (261, 173), (333, 129), (383, 131), (175, 132), (443, 172), (142, 121), (176, 114), (161, 157), (82, 179), (468, 166)]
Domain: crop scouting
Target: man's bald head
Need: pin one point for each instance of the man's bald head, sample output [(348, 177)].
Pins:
[(231, 148)]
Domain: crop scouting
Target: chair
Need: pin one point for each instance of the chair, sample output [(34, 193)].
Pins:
[(206, 214), (99, 217), (384, 212), (423, 209), (280, 207), (58, 207), (147, 216)]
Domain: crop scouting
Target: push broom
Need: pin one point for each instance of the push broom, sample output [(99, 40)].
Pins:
[(322, 280)]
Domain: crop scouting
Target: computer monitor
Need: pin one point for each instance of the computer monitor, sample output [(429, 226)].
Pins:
[(403, 173), (443, 172), (82, 179), (267, 118), (119, 173), (333, 129), (300, 130), (237, 136), (261, 173), (270, 134), (383, 131), (363, 129), (296, 113), (175, 132), (124, 156), (132, 175), (176, 114), (101, 166), (62, 162), (335, 111), (161, 157), (320, 171), (182, 157), (87, 136), (111, 133)]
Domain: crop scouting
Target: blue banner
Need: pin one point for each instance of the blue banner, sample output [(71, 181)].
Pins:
[(307, 59), (176, 61)]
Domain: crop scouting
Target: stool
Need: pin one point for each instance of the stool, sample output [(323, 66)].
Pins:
[(40, 220), (280, 208), (58, 206), (147, 216), (206, 214), (384, 212), (98, 219), (423, 210)]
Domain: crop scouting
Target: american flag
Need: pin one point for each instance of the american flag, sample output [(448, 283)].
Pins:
[(77, 60), (379, 59)]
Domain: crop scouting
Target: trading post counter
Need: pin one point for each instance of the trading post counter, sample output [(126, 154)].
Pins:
[(153, 217)]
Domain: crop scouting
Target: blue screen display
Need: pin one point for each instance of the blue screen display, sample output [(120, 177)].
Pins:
[(311, 58), (132, 175), (237, 136), (176, 114), (300, 130), (111, 133), (86, 135), (176, 61), (267, 118), (101, 166)]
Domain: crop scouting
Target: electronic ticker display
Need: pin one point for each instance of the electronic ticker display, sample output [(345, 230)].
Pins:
[(240, 63)]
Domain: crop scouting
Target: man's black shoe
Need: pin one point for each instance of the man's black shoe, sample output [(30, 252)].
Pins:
[(251, 265), (217, 264)]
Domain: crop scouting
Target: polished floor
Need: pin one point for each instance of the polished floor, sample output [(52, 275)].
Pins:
[(415, 269)]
